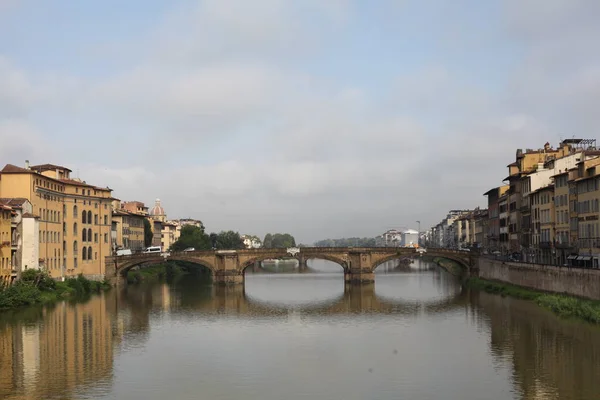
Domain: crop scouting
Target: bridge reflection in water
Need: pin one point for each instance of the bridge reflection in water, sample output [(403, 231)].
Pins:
[(326, 294)]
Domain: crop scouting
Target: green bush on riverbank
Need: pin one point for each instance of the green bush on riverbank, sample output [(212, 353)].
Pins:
[(37, 287), (564, 306), (155, 273)]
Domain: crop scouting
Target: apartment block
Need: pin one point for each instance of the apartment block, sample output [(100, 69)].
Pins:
[(74, 218)]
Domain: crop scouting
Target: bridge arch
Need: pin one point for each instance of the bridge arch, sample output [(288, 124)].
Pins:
[(394, 257), (327, 257), (342, 263), (127, 265), (463, 259)]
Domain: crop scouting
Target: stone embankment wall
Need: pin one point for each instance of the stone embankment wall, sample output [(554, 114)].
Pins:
[(572, 281)]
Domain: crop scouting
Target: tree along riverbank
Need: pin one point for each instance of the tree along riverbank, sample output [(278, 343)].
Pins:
[(166, 272), (562, 305), (36, 287)]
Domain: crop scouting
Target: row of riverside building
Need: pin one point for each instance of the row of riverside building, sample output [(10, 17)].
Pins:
[(65, 226), (547, 211)]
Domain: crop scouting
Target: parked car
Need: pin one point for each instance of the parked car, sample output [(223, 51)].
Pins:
[(190, 249)]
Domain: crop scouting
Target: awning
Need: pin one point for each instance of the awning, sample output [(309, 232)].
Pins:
[(586, 258), (580, 258), (572, 258)]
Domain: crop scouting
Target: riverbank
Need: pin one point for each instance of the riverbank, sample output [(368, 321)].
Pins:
[(37, 287), (561, 305)]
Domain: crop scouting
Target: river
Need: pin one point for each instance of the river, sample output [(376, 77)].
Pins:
[(414, 334)]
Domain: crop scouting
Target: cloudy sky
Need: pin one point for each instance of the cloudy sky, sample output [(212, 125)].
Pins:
[(321, 118)]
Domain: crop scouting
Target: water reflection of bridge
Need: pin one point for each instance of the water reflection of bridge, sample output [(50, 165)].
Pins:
[(354, 299)]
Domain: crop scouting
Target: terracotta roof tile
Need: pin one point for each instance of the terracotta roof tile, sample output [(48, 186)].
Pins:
[(13, 169), (13, 202), (78, 183)]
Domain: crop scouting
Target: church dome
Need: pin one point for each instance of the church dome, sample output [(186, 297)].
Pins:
[(157, 210)]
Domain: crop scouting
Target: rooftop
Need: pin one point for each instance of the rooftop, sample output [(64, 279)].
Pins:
[(48, 167), (83, 183), (16, 202), (13, 169)]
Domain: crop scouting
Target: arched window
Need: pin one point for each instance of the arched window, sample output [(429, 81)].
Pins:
[(64, 211), (90, 253), (74, 228), (83, 217), (90, 235), (84, 255), (89, 217), (95, 219), (106, 220), (74, 211), (75, 249), (83, 236)]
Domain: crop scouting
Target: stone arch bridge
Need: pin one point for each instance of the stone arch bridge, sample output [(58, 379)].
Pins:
[(227, 266)]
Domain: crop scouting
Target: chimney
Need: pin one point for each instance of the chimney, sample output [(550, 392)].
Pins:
[(26, 164)]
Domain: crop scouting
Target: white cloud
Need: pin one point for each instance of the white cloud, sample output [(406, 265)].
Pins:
[(20, 141), (222, 115)]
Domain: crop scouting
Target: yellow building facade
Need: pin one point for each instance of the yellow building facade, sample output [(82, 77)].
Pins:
[(6, 263), (74, 218), (542, 218), (562, 218)]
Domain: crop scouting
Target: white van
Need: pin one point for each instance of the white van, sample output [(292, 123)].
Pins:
[(153, 249), (124, 252)]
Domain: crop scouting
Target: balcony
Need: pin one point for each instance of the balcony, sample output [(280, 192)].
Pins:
[(545, 245)]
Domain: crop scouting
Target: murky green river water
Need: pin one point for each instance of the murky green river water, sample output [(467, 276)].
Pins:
[(414, 334)]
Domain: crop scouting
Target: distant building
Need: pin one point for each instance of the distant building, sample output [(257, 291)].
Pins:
[(136, 207), (158, 212), (410, 238), (157, 217), (171, 230), (251, 241), (392, 238), (168, 234), (127, 230)]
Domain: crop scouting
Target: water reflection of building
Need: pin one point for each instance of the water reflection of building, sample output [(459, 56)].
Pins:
[(550, 358), (70, 347)]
